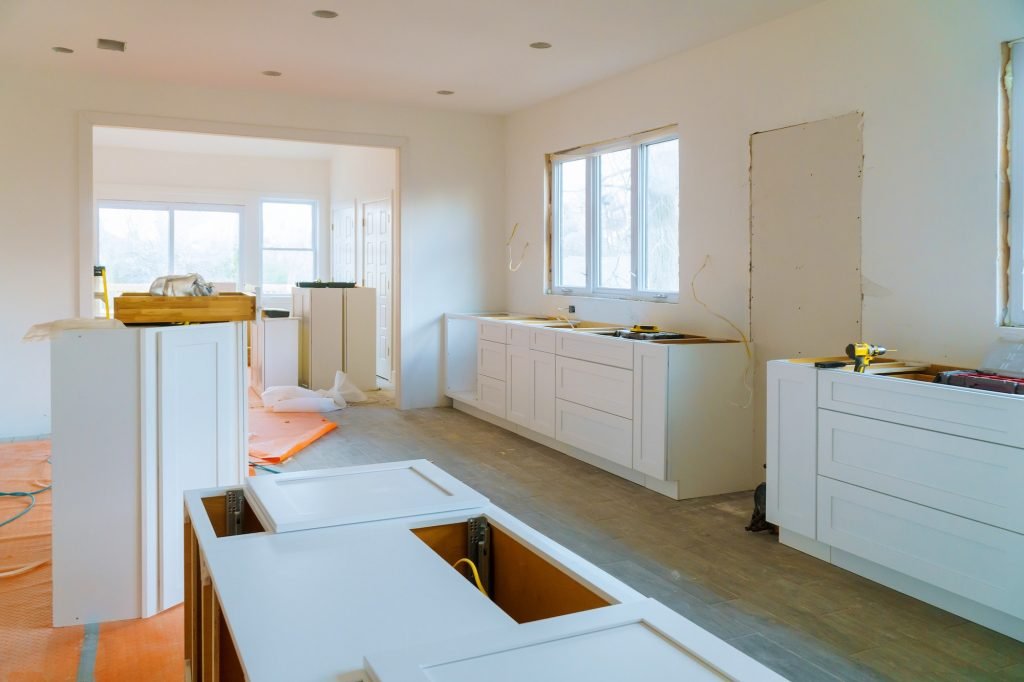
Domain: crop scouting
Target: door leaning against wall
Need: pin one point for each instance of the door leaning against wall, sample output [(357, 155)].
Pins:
[(377, 273)]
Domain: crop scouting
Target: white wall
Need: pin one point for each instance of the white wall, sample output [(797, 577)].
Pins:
[(924, 72), (452, 205), (361, 174), (154, 175)]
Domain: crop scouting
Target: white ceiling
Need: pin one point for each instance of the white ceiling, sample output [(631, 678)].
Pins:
[(398, 51), (202, 143)]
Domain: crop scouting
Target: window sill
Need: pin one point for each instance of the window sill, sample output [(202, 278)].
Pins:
[(670, 298), (1011, 332)]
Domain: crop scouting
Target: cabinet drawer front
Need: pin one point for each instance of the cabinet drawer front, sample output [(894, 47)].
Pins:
[(596, 432), (491, 395), (490, 359), (543, 339), (584, 346), (946, 409), (518, 335), (964, 557), (604, 388), (493, 331), (970, 478)]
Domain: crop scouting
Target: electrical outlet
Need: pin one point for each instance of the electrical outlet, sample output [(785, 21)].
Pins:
[(572, 309)]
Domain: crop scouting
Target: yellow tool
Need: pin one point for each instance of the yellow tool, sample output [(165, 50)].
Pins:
[(863, 353), (104, 293)]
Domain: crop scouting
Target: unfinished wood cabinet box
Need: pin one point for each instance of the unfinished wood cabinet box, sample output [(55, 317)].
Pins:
[(366, 566), (210, 653), (141, 308)]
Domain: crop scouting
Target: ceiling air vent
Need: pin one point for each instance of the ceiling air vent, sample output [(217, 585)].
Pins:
[(108, 44)]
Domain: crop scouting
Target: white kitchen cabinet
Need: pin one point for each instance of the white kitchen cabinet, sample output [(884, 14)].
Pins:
[(275, 352), (490, 360), (490, 395), (971, 559), (599, 433), (672, 415), (530, 388), (595, 348), (791, 446), (907, 482), (609, 389), (302, 500), (650, 401), (519, 386), (642, 640), (337, 332), (139, 415)]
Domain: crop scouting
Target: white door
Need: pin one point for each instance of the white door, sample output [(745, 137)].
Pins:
[(343, 244), (519, 385), (377, 251), (199, 440)]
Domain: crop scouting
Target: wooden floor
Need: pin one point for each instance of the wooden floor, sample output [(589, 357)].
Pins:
[(804, 618)]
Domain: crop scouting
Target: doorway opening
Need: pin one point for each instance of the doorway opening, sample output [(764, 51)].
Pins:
[(259, 215)]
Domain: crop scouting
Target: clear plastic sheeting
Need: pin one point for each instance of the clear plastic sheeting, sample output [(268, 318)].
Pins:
[(298, 399), (191, 284), (47, 330)]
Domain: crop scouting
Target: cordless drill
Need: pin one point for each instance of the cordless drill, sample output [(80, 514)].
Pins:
[(862, 354)]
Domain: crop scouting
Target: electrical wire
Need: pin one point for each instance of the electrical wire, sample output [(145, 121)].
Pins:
[(508, 245), (476, 574), (747, 378), (30, 494)]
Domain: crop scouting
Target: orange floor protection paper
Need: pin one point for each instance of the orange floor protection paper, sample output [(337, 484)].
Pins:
[(276, 436), (30, 649)]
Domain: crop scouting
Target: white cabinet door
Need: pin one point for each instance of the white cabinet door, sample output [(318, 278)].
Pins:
[(596, 432), (490, 360), (200, 444), (595, 348), (542, 408), (604, 388), (963, 476), (791, 446), (519, 386), (490, 394), (543, 339), (518, 335), (947, 409), (493, 331), (650, 405), (968, 558)]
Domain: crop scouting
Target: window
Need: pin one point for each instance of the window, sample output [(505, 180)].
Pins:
[(1015, 298), (289, 244), (139, 242), (615, 218)]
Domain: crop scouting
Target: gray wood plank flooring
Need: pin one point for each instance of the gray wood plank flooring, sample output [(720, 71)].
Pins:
[(804, 618)]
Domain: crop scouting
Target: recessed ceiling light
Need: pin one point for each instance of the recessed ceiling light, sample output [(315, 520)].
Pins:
[(108, 44), (325, 14), (62, 50), (271, 73), (446, 92), (540, 46)]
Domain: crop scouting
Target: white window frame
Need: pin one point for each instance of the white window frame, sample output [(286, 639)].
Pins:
[(315, 227), (171, 207), (1015, 227), (638, 144)]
